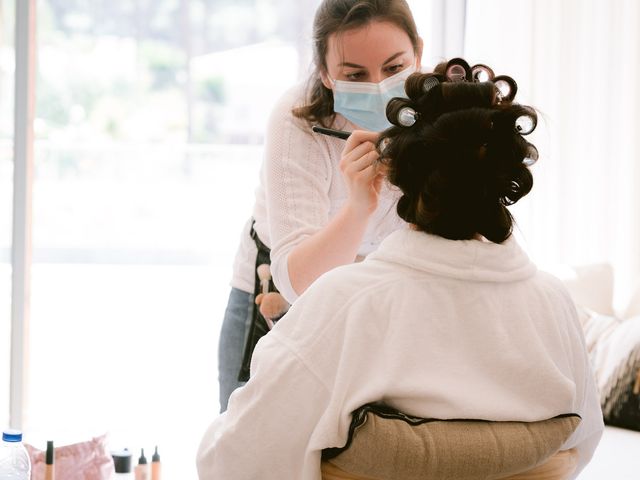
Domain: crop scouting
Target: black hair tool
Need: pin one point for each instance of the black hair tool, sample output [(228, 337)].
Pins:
[(331, 132)]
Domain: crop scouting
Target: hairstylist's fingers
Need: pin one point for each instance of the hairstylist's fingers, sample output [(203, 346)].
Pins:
[(370, 159), (363, 185), (361, 149), (351, 165), (357, 137), (364, 149), (367, 175)]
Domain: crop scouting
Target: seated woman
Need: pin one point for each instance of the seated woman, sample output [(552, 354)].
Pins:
[(448, 319)]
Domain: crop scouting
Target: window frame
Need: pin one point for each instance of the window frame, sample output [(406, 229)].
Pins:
[(25, 65)]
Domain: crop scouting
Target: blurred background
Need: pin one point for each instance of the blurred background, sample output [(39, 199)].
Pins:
[(148, 132)]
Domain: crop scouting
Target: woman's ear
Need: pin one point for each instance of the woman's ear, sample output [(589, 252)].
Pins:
[(419, 49), (324, 78)]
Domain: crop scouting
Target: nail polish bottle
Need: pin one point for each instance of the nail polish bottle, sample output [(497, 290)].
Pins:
[(155, 465), (49, 468), (142, 469)]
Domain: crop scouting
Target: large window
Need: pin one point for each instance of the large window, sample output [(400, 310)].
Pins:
[(149, 125)]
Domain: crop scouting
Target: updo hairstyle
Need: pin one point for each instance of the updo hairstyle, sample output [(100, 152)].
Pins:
[(457, 151)]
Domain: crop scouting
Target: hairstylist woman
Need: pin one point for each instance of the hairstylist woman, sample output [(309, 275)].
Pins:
[(321, 202)]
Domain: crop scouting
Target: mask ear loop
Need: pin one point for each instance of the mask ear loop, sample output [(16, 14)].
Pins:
[(458, 70)]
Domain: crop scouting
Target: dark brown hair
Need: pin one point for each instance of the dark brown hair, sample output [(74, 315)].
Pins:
[(463, 161), (335, 16)]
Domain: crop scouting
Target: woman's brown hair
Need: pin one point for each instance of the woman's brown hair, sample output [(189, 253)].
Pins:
[(457, 153), (335, 16)]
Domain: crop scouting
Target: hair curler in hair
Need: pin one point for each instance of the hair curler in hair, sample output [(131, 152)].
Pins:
[(458, 70), (507, 88), (407, 116), (430, 83), (481, 73)]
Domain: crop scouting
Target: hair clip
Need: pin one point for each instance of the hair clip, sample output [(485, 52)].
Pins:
[(481, 73), (458, 70), (430, 83), (506, 88), (407, 116)]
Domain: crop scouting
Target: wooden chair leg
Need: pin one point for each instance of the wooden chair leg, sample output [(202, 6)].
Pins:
[(559, 467), (331, 472)]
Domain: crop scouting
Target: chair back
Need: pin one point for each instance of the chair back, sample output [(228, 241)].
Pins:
[(385, 444), (559, 467)]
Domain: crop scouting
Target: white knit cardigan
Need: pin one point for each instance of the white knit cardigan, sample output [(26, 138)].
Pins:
[(301, 189)]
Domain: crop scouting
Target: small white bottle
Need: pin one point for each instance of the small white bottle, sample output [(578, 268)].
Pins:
[(14, 459)]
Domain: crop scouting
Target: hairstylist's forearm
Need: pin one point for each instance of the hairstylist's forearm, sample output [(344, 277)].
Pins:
[(336, 244)]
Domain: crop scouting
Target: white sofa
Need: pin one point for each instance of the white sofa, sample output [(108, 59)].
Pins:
[(618, 454)]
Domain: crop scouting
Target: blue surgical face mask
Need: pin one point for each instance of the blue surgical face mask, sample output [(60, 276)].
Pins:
[(365, 103)]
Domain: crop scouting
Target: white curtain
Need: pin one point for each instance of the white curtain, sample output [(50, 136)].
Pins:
[(441, 25), (578, 63)]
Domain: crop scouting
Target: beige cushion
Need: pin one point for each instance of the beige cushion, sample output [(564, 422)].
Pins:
[(392, 449)]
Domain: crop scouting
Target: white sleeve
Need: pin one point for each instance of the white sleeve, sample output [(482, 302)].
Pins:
[(297, 183), (266, 432)]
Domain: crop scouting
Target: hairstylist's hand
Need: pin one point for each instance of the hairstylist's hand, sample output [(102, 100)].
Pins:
[(359, 167)]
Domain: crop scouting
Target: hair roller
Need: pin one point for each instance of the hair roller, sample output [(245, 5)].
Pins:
[(458, 70), (520, 119), (400, 112), (512, 190), (418, 84), (526, 122), (531, 155), (506, 88), (481, 73), (407, 116), (517, 186), (430, 83)]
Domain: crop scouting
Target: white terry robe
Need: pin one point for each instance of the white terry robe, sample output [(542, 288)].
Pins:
[(433, 327)]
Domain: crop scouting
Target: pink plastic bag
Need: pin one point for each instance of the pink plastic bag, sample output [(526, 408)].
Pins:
[(81, 461)]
